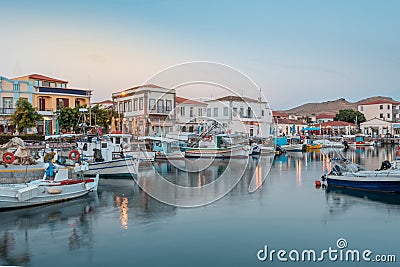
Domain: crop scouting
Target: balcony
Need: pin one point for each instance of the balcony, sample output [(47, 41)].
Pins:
[(48, 112), (7, 111), (65, 91)]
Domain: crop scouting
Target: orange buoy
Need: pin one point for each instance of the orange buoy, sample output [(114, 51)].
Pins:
[(74, 155), (317, 184), (8, 157)]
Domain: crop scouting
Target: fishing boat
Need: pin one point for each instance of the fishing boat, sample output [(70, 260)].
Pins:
[(110, 156), (55, 186), (294, 145), (346, 174), (217, 146), (358, 140), (309, 144), (163, 148), (329, 144)]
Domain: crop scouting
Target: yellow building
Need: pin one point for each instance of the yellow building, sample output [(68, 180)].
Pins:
[(49, 94)]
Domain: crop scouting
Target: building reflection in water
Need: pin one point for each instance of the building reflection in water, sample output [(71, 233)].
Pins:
[(122, 204)]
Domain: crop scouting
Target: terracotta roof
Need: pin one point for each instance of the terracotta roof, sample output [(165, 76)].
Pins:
[(380, 101), (104, 102), (182, 100), (279, 114), (43, 78), (236, 99), (336, 124), (290, 121), (325, 116)]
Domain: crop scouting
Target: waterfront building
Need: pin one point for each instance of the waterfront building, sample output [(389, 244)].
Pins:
[(10, 92), (377, 127), (241, 115), (105, 104), (323, 117), (337, 127), (287, 127), (49, 94), (387, 110), (190, 114), (146, 110)]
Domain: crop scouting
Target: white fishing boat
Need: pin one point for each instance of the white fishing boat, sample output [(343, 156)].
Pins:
[(329, 144), (164, 148), (111, 156), (218, 146), (55, 186)]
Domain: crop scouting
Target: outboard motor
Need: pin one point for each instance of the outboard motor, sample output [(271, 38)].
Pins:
[(385, 165)]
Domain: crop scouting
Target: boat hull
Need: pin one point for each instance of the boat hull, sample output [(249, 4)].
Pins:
[(115, 169), (233, 152), (21, 195), (379, 183)]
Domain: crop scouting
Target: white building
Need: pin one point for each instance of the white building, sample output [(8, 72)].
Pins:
[(376, 127), (289, 127), (323, 117), (147, 110), (387, 110), (241, 115), (189, 114)]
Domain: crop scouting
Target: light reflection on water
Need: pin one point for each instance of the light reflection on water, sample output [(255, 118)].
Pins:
[(121, 225)]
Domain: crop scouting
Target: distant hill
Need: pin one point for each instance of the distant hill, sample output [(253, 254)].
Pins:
[(330, 107)]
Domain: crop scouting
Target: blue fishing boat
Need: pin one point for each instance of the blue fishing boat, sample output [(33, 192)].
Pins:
[(345, 174)]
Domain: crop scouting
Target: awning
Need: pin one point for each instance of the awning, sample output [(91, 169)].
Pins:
[(396, 126), (312, 129)]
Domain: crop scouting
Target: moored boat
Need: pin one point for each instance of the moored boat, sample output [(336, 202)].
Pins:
[(348, 175), (55, 186)]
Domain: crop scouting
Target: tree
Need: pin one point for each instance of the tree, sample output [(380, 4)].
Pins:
[(68, 118), (25, 116), (350, 115), (103, 117)]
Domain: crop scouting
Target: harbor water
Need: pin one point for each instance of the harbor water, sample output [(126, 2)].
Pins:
[(121, 225)]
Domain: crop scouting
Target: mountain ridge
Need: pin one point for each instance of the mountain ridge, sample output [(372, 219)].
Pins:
[(331, 106)]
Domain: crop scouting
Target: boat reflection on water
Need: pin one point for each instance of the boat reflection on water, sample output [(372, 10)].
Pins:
[(341, 199), (17, 227)]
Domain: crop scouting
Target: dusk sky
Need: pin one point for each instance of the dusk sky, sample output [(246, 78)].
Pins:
[(296, 51)]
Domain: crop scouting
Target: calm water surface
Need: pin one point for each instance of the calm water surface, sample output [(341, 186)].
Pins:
[(123, 226)]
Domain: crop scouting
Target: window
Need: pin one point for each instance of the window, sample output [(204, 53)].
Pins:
[(42, 104), (168, 105), (241, 113), (141, 103), (121, 107), (225, 111), (16, 87), (160, 106), (62, 102), (381, 107), (41, 83), (234, 111), (46, 84), (262, 113), (191, 112), (135, 106), (215, 112), (77, 103), (209, 112), (388, 115), (200, 112), (249, 112), (126, 105), (183, 111), (381, 115), (362, 108), (8, 105), (52, 84), (388, 106), (35, 83), (152, 104)]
